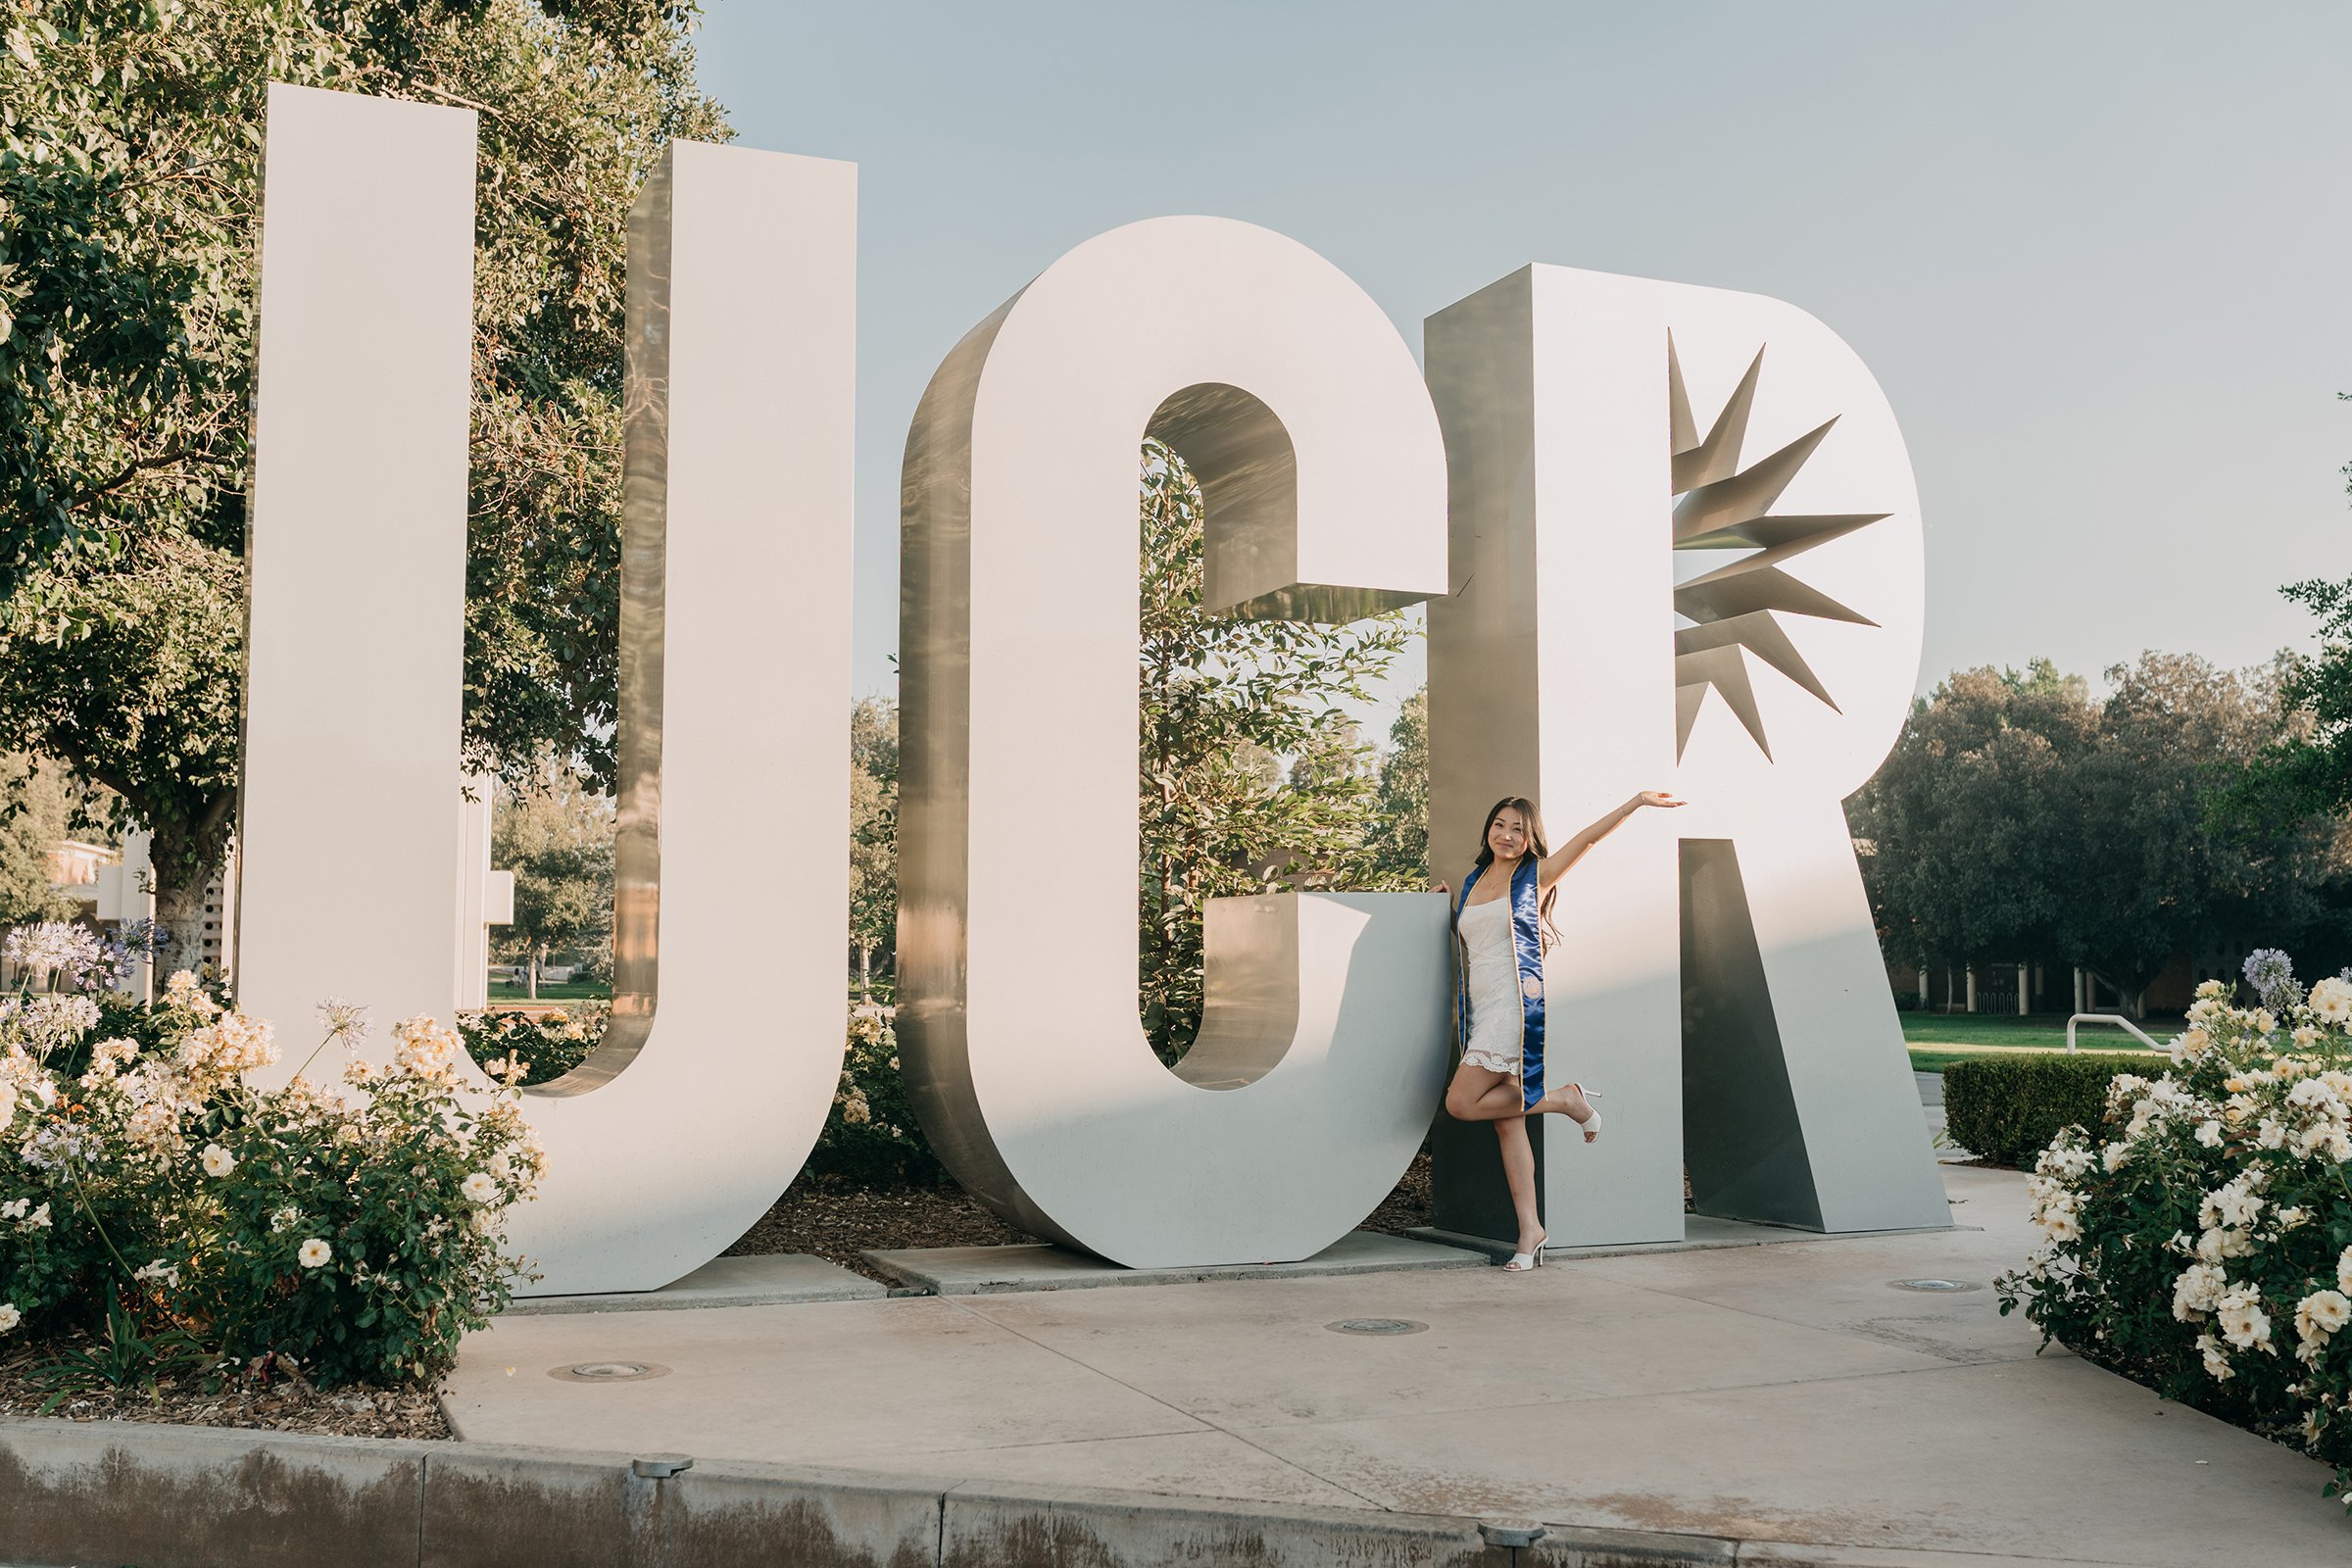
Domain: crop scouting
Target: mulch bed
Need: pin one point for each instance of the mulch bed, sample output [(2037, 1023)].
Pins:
[(1405, 1207), (838, 1222), (281, 1405)]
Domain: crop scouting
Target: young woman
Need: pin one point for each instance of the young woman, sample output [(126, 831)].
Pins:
[(1502, 928)]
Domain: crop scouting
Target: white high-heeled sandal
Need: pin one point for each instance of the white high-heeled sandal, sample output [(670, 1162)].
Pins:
[(1526, 1262), (1592, 1122)]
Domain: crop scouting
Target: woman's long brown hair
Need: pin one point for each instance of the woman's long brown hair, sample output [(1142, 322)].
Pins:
[(1548, 932)]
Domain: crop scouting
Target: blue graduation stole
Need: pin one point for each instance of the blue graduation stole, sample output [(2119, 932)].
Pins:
[(1526, 951)]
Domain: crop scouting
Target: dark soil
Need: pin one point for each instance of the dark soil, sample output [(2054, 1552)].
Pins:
[(281, 1403), (1406, 1206), (837, 1222)]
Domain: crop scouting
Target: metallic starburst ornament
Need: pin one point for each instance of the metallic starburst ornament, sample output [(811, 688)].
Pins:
[(1720, 505)]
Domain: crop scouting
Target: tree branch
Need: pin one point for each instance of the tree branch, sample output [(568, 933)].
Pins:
[(138, 465)]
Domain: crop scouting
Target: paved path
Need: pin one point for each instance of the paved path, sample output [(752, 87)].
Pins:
[(1785, 1393)]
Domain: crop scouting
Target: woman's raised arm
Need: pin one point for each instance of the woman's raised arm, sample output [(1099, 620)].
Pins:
[(1555, 865)]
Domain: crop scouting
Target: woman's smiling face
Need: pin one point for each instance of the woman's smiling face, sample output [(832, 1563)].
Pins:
[(1506, 835)]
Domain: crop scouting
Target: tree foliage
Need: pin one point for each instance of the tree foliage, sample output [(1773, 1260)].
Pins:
[(1223, 701), (2308, 767), (35, 806), (2020, 819), (556, 834), (873, 836), (131, 159), (1398, 841)]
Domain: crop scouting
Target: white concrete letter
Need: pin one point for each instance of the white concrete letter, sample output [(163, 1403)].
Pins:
[(688, 1120), (1323, 1049), (1595, 426)]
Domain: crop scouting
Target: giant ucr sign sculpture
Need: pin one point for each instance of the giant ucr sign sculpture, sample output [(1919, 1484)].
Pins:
[(1571, 407)]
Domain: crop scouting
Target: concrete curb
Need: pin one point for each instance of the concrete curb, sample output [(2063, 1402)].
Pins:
[(775, 1279), (1717, 1236), (1009, 1270), (170, 1496)]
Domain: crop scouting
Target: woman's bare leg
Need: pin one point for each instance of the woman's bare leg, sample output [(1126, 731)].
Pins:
[(1477, 1095), (1519, 1172)]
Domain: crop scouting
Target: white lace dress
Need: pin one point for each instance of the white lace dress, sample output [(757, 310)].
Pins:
[(1496, 1021)]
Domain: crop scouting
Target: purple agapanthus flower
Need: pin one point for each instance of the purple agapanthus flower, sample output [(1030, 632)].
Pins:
[(2272, 974), (75, 957)]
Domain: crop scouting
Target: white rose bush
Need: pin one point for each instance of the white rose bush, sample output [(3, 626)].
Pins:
[(2200, 1239), (349, 1230)]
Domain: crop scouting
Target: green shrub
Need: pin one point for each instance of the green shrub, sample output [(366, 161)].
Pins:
[(2197, 1236), (165, 1215), (871, 1136), (546, 1044), (2007, 1108)]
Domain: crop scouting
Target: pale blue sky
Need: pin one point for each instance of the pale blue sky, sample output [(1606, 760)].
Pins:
[(2096, 253)]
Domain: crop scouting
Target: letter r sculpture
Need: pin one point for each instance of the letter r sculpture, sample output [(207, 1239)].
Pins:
[(1718, 974)]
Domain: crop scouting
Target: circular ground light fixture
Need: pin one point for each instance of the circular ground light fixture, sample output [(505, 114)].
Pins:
[(1377, 1324), (1934, 1286), (608, 1372)]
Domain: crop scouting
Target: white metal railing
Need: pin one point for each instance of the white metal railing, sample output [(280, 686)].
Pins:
[(2116, 1018)]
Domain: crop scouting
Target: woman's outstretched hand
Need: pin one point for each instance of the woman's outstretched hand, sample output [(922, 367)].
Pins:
[(1658, 798)]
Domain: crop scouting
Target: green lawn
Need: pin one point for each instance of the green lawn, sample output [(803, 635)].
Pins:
[(1939, 1038), (553, 991)]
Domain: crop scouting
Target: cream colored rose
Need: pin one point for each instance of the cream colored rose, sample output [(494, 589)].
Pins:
[(2322, 1313), (479, 1188), (2196, 1291), (10, 1317), (217, 1161), (2245, 1324), (315, 1254), (2331, 1002)]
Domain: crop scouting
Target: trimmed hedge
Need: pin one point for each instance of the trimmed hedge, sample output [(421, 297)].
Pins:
[(2007, 1108)]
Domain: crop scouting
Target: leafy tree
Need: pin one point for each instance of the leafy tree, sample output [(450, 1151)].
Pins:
[(1967, 821), (2017, 818), (2308, 767), (2154, 878), (1398, 842), (1222, 700), (557, 835), (35, 806), (873, 835), (130, 156)]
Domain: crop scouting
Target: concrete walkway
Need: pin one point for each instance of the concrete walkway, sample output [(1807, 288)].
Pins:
[(1786, 1393)]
